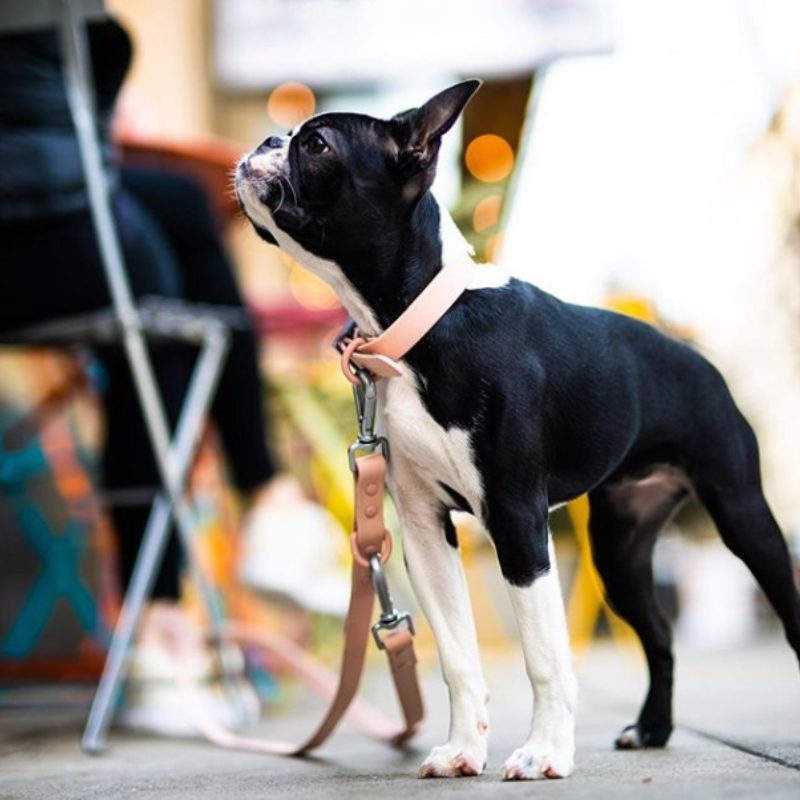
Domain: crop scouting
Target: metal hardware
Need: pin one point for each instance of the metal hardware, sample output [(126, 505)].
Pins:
[(390, 618), (379, 445), (348, 331), (366, 400), (365, 396)]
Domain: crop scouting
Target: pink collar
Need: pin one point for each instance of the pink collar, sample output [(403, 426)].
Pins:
[(380, 354)]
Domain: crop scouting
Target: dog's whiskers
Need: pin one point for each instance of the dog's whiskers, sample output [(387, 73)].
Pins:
[(283, 196), (291, 188)]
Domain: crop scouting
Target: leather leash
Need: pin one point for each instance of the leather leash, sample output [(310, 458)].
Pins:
[(371, 545), (363, 361)]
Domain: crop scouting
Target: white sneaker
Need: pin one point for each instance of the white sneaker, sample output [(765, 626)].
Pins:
[(169, 648), (296, 552)]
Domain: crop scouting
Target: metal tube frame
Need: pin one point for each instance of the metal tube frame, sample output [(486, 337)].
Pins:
[(173, 456)]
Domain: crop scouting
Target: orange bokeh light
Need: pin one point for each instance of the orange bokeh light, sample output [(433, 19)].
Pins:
[(291, 103), (487, 213), (489, 158)]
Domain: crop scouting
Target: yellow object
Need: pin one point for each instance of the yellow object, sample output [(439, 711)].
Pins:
[(586, 600), (633, 305)]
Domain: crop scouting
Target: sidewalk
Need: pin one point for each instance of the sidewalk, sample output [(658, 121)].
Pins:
[(726, 704)]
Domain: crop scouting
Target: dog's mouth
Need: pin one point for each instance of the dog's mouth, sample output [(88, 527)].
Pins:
[(264, 181)]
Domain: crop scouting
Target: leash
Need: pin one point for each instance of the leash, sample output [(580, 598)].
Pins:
[(364, 360), (371, 545)]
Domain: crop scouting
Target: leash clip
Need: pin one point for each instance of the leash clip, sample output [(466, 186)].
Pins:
[(390, 618), (365, 395)]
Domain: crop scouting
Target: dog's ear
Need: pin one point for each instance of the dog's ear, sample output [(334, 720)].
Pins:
[(419, 132)]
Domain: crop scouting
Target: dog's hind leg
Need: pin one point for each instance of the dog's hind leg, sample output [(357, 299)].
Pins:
[(733, 496), (625, 520), (437, 576), (527, 561)]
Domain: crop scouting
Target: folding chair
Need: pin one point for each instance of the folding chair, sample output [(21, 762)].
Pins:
[(130, 325)]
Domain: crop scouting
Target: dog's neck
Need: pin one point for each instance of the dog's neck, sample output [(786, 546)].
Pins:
[(395, 269)]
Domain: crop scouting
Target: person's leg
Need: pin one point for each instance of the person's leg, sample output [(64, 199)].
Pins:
[(128, 458), (52, 269), (187, 221), (168, 643), (307, 568)]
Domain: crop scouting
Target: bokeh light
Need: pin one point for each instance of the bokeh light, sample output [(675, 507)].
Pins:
[(309, 290), (487, 213), (489, 158), (291, 103)]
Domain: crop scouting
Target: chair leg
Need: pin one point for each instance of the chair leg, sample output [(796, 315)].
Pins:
[(144, 573), (180, 456), (173, 456)]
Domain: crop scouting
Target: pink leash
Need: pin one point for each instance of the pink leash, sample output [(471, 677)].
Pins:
[(363, 361)]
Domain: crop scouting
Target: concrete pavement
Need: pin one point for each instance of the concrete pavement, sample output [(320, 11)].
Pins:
[(738, 736)]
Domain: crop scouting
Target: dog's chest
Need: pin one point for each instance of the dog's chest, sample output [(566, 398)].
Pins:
[(438, 456)]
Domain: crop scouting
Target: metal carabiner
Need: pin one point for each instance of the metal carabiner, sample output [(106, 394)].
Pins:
[(390, 618), (366, 402)]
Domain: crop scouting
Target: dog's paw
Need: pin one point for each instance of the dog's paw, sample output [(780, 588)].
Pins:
[(640, 736), (527, 763), (452, 761)]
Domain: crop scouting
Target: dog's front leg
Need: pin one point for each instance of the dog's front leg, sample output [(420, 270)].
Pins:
[(528, 563), (439, 583)]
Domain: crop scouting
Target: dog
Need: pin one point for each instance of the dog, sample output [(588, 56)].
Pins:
[(513, 404)]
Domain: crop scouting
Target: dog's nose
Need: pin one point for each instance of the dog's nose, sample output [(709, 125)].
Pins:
[(271, 143)]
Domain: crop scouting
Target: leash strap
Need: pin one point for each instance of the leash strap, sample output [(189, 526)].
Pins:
[(362, 360), (371, 541), (372, 545)]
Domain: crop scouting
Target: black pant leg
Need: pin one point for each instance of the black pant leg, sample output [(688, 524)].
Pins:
[(184, 215), (51, 268)]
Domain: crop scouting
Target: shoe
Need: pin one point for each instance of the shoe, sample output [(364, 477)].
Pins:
[(294, 551), (169, 649)]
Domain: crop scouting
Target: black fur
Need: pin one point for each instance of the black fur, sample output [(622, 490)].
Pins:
[(559, 399)]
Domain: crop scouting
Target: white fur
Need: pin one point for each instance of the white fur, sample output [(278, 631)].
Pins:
[(455, 249), (550, 749), (439, 584), (488, 276), (438, 454), (323, 268)]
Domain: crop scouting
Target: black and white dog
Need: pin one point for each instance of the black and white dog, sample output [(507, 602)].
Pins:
[(514, 403)]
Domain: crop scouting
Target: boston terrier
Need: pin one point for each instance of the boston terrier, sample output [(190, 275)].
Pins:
[(512, 404)]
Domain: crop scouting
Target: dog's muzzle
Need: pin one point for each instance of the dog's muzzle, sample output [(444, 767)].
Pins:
[(259, 174)]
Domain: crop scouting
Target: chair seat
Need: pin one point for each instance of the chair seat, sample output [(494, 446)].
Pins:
[(159, 319)]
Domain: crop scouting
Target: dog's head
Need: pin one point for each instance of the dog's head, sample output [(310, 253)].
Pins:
[(339, 180)]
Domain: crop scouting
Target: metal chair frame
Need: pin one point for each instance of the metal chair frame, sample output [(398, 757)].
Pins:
[(125, 321)]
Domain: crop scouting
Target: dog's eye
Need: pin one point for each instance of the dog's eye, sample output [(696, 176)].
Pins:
[(314, 144)]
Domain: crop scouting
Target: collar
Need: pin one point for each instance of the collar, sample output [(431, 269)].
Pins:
[(381, 354)]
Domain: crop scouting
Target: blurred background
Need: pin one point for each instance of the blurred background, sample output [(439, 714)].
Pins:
[(638, 154)]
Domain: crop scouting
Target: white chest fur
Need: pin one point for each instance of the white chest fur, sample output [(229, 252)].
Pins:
[(435, 454)]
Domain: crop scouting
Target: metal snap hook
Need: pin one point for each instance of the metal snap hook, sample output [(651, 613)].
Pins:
[(390, 618)]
